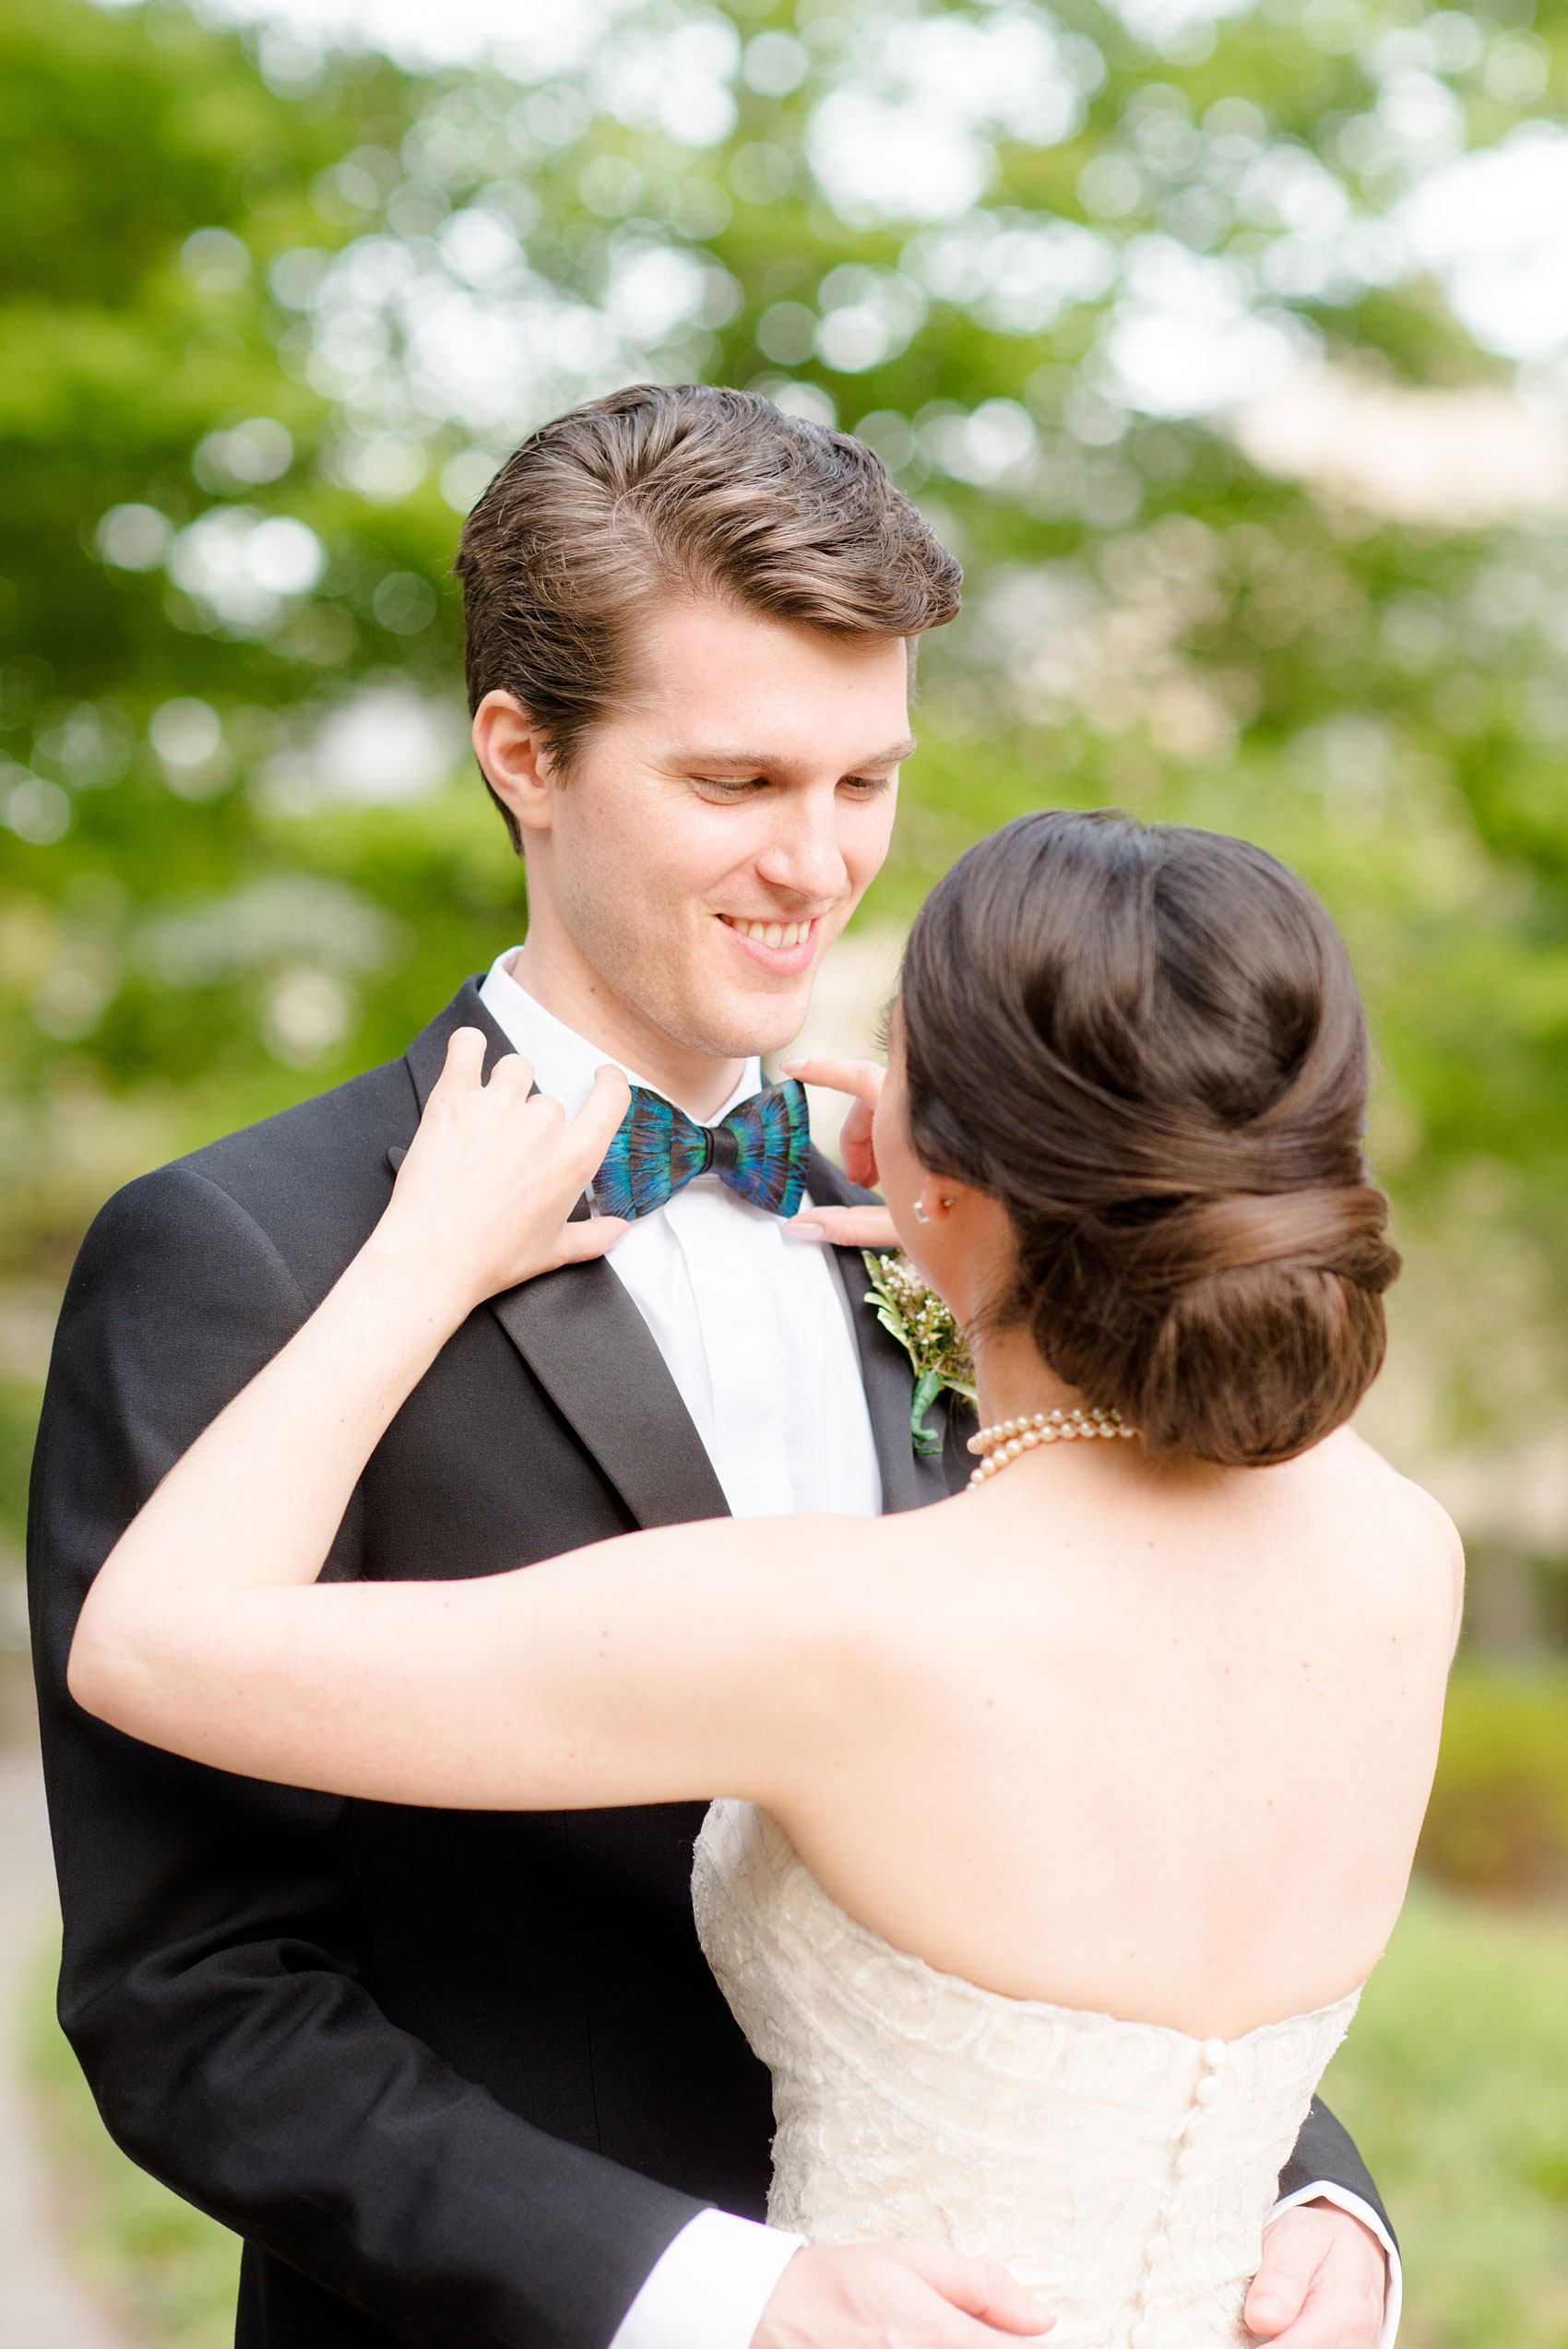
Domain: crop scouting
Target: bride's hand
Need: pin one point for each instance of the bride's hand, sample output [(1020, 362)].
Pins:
[(862, 1080), (485, 1192)]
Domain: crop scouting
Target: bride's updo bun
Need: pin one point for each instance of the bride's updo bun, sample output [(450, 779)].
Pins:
[(1147, 1042)]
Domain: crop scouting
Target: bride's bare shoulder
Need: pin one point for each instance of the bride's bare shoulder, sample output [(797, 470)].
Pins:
[(1390, 1515), (1363, 1471), (854, 1578), (828, 1564)]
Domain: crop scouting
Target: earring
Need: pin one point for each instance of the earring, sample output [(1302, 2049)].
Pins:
[(920, 1215)]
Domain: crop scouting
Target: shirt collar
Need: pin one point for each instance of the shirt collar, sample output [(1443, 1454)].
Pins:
[(563, 1062)]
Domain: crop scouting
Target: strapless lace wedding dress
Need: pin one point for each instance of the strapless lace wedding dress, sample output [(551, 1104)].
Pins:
[(1121, 2169)]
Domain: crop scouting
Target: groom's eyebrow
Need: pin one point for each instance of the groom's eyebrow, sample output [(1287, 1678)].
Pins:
[(893, 757), (760, 762)]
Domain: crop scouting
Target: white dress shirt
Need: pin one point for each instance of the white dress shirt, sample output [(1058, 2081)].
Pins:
[(751, 1319), (754, 1329)]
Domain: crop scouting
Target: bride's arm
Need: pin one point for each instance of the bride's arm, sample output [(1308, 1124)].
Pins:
[(638, 1670)]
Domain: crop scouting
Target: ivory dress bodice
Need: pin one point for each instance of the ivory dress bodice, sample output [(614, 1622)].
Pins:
[(1123, 2170)]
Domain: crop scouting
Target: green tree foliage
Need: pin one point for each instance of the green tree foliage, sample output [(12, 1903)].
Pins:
[(269, 321), (173, 951), (1452, 2081)]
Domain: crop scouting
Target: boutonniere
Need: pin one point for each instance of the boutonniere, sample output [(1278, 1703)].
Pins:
[(916, 1316)]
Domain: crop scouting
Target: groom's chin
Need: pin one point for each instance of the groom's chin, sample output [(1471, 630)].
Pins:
[(747, 1024)]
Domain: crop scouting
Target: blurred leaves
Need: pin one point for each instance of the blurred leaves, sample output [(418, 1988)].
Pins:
[(1498, 1820), (1451, 2083)]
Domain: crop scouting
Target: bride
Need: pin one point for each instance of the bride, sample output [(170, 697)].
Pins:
[(1045, 1876)]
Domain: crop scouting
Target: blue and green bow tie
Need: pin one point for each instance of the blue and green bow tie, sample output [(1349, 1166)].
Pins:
[(760, 1150)]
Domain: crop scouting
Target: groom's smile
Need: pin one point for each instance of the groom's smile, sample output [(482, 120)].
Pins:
[(784, 947)]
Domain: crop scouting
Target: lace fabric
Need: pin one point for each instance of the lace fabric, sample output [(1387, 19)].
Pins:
[(1123, 2170)]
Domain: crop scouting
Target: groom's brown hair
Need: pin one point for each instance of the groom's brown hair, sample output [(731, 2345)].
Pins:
[(687, 490)]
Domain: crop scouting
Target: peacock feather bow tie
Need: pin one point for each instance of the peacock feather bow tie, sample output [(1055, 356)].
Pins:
[(760, 1150)]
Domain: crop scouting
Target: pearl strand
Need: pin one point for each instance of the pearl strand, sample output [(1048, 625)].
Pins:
[(1009, 1439)]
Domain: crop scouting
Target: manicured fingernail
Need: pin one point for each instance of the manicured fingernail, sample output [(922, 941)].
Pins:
[(1263, 2308)]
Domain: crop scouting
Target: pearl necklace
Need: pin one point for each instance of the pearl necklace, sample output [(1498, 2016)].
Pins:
[(1009, 1439)]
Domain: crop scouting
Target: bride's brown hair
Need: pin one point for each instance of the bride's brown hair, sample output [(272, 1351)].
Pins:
[(1147, 1042)]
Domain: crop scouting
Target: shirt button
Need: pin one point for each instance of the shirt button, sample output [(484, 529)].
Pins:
[(1215, 2052), (1207, 2088)]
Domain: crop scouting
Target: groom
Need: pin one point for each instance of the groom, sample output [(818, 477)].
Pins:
[(463, 2080)]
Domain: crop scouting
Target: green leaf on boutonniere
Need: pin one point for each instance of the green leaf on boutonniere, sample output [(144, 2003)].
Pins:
[(911, 1311)]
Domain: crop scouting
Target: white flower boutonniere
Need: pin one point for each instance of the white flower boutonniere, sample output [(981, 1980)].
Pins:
[(916, 1316)]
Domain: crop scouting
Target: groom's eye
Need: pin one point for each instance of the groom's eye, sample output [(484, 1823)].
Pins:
[(722, 788)]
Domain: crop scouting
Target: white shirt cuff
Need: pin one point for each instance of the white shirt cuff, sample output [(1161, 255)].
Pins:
[(710, 2287), (1342, 2197)]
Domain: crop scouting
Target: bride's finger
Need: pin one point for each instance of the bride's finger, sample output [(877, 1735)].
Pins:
[(600, 1114), (862, 1078), (463, 1069), (847, 1226), (857, 1145), (593, 1236), (513, 1074)]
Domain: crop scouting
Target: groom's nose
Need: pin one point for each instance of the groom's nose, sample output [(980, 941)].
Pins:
[(804, 853)]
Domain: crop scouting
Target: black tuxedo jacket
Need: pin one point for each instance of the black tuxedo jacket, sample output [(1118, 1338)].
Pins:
[(457, 2078)]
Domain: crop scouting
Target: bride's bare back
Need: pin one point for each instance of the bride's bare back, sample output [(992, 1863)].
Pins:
[(1156, 1745)]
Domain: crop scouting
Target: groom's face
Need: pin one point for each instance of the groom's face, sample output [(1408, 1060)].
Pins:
[(711, 840)]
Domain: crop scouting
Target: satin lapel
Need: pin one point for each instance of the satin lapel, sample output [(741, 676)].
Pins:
[(594, 1355), (909, 1479), (426, 1056), (589, 1348)]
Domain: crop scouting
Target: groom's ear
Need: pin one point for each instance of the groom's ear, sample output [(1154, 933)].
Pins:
[(515, 762)]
